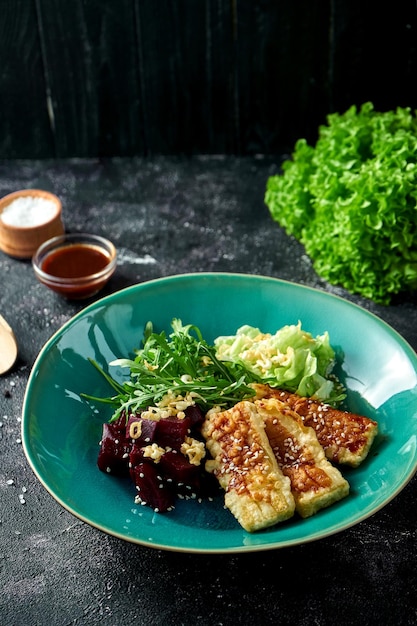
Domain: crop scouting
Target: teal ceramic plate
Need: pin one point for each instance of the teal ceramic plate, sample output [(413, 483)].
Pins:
[(61, 432)]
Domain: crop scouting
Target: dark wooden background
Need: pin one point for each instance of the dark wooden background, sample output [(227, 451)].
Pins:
[(98, 78)]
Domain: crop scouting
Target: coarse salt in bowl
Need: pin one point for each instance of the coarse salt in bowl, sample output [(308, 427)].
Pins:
[(28, 218)]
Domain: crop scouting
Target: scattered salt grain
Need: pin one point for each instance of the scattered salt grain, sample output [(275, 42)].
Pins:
[(28, 211), (10, 481)]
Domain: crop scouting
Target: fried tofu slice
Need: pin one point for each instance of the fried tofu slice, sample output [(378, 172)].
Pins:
[(315, 482), (345, 437), (256, 490)]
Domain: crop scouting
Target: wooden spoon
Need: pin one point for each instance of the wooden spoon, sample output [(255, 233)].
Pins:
[(8, 347)]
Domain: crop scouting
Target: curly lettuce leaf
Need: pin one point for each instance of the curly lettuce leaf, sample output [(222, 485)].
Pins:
[(290, 359), (351, 200)]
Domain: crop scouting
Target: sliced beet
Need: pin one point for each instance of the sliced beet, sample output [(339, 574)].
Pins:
[(119, 425), (177, 468), (113, 457), (147, 429), (159, 482), (171, 431), (195, 415), (152, 489), (136, 456)]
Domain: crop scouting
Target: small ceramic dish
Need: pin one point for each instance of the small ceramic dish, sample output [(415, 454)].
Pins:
[(76, 265), (27, 219)]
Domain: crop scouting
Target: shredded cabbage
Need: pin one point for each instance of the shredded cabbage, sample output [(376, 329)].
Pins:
[(351, 200), (291, 359)]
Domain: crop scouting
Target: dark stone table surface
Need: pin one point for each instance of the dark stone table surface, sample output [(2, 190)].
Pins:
[(169, 216)]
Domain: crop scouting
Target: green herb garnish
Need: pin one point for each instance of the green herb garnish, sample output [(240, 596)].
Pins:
[(179, 364), (351, 200)]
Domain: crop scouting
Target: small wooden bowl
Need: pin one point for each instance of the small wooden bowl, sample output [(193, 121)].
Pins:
[(22, 241)]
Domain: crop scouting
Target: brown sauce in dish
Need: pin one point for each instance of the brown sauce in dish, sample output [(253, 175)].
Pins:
[(75, 261)]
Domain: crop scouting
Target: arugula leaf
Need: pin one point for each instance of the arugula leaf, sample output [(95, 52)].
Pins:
[(180, 364), (351, 200)]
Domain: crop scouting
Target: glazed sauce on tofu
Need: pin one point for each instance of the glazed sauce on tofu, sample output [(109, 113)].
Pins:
[(75, 261)]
